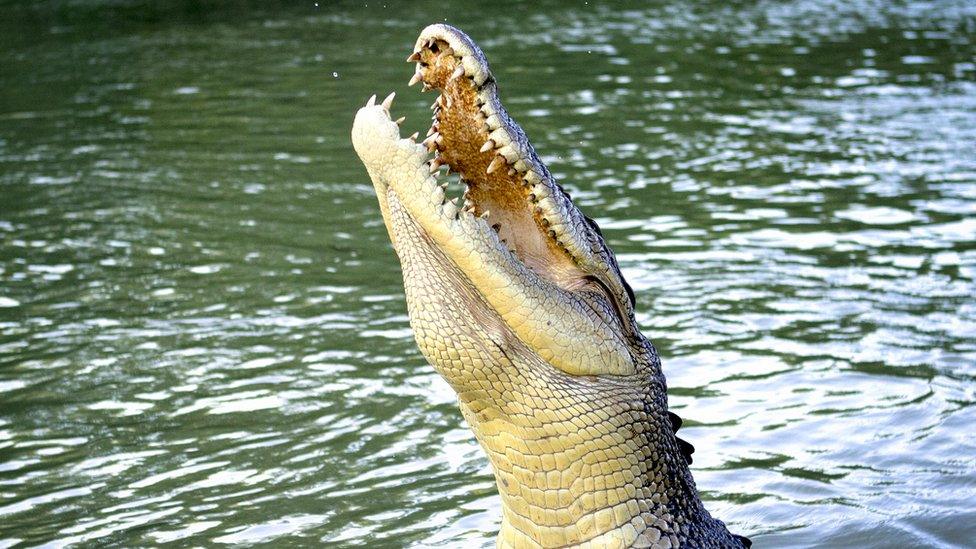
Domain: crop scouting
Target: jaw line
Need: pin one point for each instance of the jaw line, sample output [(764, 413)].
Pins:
[(552, 322)]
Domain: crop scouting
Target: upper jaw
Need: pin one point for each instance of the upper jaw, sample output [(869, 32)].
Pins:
[(505, 148)]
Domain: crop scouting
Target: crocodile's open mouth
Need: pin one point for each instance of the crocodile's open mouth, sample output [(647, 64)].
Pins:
[(470, 136), (513, 232)]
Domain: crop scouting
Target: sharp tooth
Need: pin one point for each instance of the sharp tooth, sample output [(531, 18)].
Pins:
[(496, 163), (500, 136), (448, 101), (415, 78), (459, 71), (388, 102), (414, 136), (449, 209), (413, 57), (427, 87), (489, 145), (511, 171), (508, 152), (444, 185), (436, 103), (372, 101), (400, 120), (435, 165), (432, 130), (485, 214), (431, 142)]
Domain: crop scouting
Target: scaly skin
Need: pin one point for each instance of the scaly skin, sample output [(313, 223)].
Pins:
[(524, 312)]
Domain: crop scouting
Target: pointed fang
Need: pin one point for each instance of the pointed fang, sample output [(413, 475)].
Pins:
[(400, 120), (489, 145), (414, 79), (388, 102), (372, 101), (413, 57), (496, 163), (458, 72)]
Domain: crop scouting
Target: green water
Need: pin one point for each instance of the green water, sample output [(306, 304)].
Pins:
[(203, 339)]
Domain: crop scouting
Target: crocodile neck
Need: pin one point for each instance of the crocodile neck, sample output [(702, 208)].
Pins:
[(589, 473)]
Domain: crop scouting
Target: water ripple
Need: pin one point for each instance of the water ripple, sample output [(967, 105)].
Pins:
[(202, 332)]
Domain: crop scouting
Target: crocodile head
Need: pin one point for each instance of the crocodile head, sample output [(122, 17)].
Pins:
[(517, 301)]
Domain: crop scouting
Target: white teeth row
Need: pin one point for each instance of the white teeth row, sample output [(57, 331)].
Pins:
[(508, 155), (509, 150), (469, 66)]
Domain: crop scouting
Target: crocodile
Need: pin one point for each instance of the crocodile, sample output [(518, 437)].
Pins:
[(515, 298)]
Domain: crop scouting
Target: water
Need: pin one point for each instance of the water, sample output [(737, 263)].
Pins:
[(203, 338)]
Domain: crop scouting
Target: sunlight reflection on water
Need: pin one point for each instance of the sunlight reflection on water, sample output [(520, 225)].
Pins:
[(202, 331)]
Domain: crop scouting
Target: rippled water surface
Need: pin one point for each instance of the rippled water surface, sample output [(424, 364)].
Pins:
[(203, 338)]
